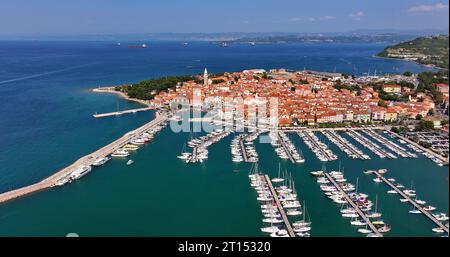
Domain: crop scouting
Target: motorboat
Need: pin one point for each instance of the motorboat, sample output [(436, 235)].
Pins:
[(129, 162), (100, 161), (120, 153), (80, 172)]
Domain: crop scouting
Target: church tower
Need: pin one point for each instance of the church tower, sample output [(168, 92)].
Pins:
[(205, 78)]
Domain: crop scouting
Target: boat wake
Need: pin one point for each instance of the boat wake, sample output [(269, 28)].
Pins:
[(45, 73)]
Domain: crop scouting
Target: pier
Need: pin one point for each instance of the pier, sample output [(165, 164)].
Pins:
[(244, 151), (440, 157), (118, 113), (319, 148), (347, 146), (286, 149), (355, 206), (376, 149), (389, 144), (280, 207), (411, 201), (86, 160)]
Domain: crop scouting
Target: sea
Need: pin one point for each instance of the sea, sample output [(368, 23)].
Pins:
[(46, 123)]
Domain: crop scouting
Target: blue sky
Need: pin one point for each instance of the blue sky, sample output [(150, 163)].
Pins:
[(139, 16)]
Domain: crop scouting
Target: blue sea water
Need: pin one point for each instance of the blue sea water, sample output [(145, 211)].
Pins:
[(46, 123)]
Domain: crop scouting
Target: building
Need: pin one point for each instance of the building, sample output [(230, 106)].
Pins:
[(205, 78), (441, 87), (436, 121), (396, 89)]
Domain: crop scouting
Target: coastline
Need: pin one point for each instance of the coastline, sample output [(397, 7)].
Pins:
[(110, 90), (400, 59)]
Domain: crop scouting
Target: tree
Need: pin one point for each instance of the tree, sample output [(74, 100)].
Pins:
[(419, 117), (382, 103), (407, 74)]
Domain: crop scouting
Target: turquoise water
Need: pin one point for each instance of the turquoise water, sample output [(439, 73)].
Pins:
[(46, 124)]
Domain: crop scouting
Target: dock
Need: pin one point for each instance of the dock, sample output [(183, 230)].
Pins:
[(118, 113), (52, 180), (286, 149), (440, 157), (376, 149), (280, 207), (355, 206), (389, 144), (412, 202), (244, 151), (344, 144)]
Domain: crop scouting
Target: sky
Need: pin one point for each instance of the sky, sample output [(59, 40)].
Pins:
[(59, 17)]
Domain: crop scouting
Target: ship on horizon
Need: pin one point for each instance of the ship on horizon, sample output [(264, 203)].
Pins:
[(138, 46)]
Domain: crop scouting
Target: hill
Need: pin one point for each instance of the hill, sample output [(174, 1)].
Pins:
[(432, 51)]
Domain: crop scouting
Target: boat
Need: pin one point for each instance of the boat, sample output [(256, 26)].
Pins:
[(318, 173), (303, 234), (100, 161), (80, 172), (429, 208), (415, 211), (441, 216), (403, 200), (120, 153), (358, 222), (293, 212), (129, 162), (271, 229), (438, 230), (377, 180), (384, 229), (279, 178), (272, 220), (392, 192), (364, 230)]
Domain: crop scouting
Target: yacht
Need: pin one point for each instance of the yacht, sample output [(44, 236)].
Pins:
[(100, 161), (303, 234), (271, 229), (441, 216), (358, 223), (429, 208), (120, 153), (377, 180), (80, 172), (293, 212), (438, 230), (137, 141), (318, 173)]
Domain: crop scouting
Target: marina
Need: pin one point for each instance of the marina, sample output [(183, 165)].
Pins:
[(271, 206), (200, 146), (435, 157), (350, 149), (376, 149), (343, 192), (319, 148), (407, 195), (83, 165), (389, 144)]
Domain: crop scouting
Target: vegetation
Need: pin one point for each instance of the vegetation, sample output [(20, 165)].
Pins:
[(425, 125), (427, 50), (148, 89), (427, 80)]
